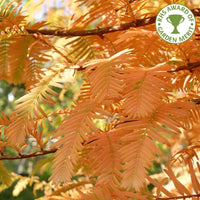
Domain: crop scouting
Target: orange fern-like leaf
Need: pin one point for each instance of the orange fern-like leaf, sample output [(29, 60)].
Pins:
[(107, 145), (29, 106), (75, 129), (143, 92), (137, 153), (105, 76)]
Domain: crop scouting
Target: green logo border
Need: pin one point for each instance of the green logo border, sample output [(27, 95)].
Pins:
[(175, 42)]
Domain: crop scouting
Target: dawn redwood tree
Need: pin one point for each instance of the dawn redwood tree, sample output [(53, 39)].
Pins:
[(136, 98)]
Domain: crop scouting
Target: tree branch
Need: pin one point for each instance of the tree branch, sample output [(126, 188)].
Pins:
[(38, 153), (102, 31), (189, 66)]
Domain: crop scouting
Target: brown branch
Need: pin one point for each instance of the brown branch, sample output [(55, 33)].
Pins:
[(102, 31), (38, 153), (196, 101), (189, 66), (98, 31), (179, 197)]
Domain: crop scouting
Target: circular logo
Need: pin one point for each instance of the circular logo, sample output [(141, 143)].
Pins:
[(175, 23)]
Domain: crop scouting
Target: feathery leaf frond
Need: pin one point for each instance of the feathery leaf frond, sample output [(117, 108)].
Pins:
[(75, 129), (107, 169), (29, 105), (109, 81), (143, 92)]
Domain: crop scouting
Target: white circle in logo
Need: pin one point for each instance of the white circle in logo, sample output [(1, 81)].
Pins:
[(175, 23)]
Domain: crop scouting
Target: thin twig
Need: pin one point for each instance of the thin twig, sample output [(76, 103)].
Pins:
[(189, 66), (35, 154), (102, 31)]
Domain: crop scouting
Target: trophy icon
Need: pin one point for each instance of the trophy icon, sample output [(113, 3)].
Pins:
[(175, 20)]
